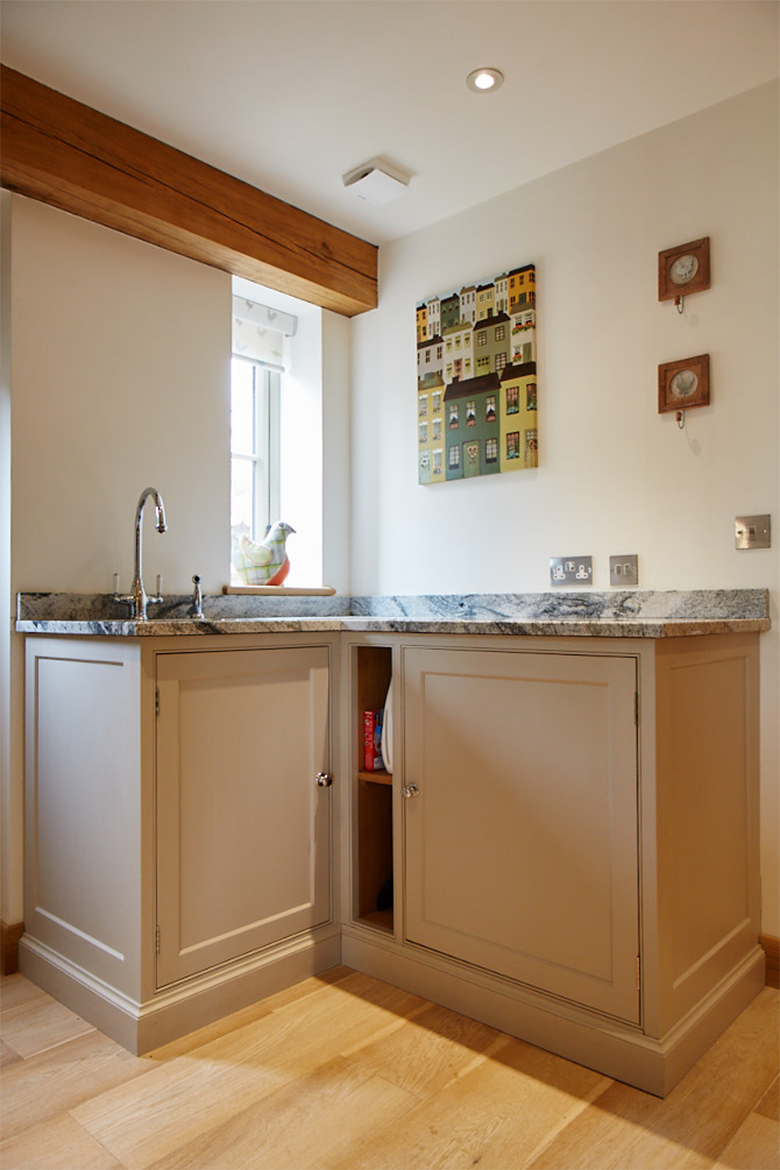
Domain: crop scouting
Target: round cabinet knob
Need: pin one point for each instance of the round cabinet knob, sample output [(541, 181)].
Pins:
[(324, 780), (410, 791)]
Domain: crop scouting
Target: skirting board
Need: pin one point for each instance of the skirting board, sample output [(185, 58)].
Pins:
[(179, 1010), (618, 1051), (9, 947)]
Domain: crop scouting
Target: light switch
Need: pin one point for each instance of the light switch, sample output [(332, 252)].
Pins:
[(624, 570), (753, 532)]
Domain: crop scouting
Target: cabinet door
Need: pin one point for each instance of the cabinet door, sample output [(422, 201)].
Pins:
[(243, 829), (521, 847)]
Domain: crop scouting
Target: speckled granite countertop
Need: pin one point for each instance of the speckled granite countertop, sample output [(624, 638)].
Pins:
[(639, 614)]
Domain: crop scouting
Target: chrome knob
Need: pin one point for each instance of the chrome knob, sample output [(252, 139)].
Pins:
[(324, 780), (410, 791)]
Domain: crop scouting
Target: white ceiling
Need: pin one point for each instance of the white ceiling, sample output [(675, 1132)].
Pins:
[(291, 94)]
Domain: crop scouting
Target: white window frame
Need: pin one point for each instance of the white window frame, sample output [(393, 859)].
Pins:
[(265, 454)]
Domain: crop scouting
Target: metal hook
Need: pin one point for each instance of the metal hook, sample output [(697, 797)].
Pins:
[(680, 304), (680, 416)]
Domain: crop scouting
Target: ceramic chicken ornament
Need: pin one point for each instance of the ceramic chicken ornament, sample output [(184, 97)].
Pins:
[(265, 563)]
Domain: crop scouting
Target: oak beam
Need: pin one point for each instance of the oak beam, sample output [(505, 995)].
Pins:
[(62, 152)]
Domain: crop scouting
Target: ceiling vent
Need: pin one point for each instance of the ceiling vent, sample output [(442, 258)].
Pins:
[(377, 181)]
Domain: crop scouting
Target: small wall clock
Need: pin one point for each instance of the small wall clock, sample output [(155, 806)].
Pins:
[(684, 384), (684, 270)]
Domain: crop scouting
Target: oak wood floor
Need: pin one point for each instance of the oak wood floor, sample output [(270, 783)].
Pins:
[(344, 1071)]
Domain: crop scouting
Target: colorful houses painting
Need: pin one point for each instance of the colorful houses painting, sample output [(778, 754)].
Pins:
[(476, 379)]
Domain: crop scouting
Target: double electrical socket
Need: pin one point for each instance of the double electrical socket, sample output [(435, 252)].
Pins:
[(571, 570)]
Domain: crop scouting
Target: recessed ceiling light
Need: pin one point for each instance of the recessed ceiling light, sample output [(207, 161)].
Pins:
[(484, 80)]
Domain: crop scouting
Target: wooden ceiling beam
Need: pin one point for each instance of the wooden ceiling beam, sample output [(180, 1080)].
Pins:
[(64, 153)]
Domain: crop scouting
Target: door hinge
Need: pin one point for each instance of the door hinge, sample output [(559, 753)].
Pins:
[(157, 940), (636, 708), (638, 973), (157, 701)]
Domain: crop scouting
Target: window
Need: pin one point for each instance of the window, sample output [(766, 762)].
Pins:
[(513, 445), (471, 414), (512, 399), (454, 416), (500, 332), (423, 405), (482, 337), (423, 432), (500, 362), (254, 447), (454, 456), (490, 408), (257, 367), (436, 400), (491, 450)]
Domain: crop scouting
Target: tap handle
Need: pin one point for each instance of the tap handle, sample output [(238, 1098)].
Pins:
[(197, 598)]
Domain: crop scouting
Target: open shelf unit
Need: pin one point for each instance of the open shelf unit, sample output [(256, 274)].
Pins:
[(373, 666)]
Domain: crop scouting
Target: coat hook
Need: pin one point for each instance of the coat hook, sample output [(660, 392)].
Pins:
[(680, 416), (680, 304)]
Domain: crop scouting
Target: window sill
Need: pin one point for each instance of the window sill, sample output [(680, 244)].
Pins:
[(279, 590)]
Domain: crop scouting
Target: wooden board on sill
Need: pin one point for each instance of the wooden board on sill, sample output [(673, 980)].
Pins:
[(280, 590)]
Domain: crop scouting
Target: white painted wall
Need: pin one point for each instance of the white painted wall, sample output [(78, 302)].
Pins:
[(11, 807), (120, 375), (614, 476), (120, 379)]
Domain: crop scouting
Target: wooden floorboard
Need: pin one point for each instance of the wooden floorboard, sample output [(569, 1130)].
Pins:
[(344, 1071)]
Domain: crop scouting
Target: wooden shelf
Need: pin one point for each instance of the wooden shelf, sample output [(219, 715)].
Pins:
[(380, 918), (379, 777)]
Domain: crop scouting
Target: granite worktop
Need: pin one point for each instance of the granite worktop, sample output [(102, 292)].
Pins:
[(617, 614)]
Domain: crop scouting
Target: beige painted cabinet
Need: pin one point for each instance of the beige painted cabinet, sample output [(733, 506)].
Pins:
[(521, 818), (243, 824), (178, 825), (572, 842)]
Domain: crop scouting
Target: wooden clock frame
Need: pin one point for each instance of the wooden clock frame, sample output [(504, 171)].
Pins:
[(667, 372), (668, 289)]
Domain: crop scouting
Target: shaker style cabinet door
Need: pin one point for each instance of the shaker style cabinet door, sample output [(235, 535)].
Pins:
[(243, 827), (521, 822)]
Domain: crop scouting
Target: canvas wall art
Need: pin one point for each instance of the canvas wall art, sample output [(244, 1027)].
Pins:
[(476, 378)]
